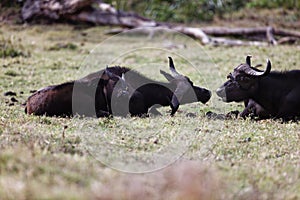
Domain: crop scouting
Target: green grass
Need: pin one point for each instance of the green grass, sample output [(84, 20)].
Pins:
[(54, 158)]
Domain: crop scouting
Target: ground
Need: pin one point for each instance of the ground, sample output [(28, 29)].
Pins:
[(49, 157)]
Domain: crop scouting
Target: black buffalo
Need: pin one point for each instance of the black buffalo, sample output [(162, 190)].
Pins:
[(115, 91), (266, 94), (148, 93)]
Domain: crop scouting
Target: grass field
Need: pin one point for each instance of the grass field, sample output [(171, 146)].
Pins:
[(77, 158)]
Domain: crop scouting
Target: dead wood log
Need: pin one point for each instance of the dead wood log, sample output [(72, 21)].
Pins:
[(269, 33), (193, 32), (88, 11), (196, 33), (287, 33), (225, 31), (270, 36), (230, 42), (98, 13), (287, 40), (52, 9), (105, 18)]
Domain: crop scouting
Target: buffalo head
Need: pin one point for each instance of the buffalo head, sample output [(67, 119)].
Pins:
[(185, 91), (116, 84), (243, 82), (117, 92)]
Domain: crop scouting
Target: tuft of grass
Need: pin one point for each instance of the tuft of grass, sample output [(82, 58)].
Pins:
[(11, 73), (12, 48), (59, 46)]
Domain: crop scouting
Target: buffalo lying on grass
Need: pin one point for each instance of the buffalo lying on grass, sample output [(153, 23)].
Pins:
[(89, 99), (178, 90), (116, 91), (266, 94)]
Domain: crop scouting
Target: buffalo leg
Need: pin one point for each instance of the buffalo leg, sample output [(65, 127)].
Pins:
[(101, 113), (253, 109), (153, 110)]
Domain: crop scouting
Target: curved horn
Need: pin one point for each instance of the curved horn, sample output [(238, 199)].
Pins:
[(253, 72), (248, 60), (172, 67), (269, 66)]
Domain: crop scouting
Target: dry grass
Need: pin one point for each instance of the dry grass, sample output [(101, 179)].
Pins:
[(182, 180)]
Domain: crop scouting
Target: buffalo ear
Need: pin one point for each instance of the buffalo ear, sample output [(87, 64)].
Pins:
[(110, 74), (174, 104), (168, 76), (103, 82)]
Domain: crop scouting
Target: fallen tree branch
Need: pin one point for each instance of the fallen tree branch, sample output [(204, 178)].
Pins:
[(270, 35), (193, 32), (52, 9), (225, 31), (287, 33), (287, 40), (97, 17), (98, 13), (229, 42)]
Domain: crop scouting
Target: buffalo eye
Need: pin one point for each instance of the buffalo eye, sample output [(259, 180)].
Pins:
[(241, 78), (230, 76)]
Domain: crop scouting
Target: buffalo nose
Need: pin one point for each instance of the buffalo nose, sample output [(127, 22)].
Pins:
[(209, 93), (220, 92), (206, 94)]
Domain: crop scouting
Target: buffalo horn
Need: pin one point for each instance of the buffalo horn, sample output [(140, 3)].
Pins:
[(248, 60), (172, 68), (253, 72)]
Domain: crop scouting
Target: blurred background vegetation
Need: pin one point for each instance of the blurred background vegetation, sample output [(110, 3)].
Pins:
[(183, 11), (192, 11)]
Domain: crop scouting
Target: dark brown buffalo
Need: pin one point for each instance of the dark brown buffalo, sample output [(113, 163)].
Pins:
[(115, 91), (178, 90), (266, 94), (87, 96)]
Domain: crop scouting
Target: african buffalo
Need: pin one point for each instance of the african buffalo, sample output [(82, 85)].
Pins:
[(115, 91), (266, 94), (178, 90), (87, 96)]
